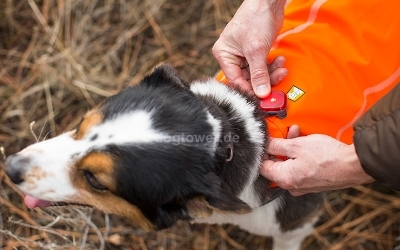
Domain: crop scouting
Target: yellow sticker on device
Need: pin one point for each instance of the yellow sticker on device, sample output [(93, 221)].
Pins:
[(295, 93)]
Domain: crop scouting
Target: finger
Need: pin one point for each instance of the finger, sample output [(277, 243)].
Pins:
[(230, 65), (246, 74), (269, 169), (275, 171), (277, 63), (296, 192), (259, 75), (278, 75), (235, 76), (293, 132), (279, 146)]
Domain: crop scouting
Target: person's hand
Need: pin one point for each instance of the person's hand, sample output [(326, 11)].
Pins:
[(275, 70), (244, 44), (315, 163)]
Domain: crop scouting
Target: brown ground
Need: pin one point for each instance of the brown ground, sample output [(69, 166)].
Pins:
[(59, 58)]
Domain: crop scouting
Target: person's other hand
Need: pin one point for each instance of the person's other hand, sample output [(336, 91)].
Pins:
[(315, 163), (244, 44)]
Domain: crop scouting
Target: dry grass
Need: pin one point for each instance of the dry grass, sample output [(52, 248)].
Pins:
[(59, 58)]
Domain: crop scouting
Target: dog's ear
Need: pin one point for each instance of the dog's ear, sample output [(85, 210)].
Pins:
[(214, 198), (163, 74), (201, 207)]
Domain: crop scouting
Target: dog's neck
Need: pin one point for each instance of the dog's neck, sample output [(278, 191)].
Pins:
[(240, 148)]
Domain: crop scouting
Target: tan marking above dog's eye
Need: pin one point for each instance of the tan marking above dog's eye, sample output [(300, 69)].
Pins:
[(90, 120), (95, 170)]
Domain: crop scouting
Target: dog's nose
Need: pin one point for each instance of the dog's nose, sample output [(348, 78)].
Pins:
[(15, 166)]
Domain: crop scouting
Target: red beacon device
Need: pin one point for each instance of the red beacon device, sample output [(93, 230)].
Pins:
[(274, 104)]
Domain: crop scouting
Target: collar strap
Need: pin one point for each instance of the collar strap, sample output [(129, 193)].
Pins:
[(275, 193)]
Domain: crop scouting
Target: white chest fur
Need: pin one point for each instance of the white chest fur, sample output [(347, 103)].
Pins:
[(262, 221)]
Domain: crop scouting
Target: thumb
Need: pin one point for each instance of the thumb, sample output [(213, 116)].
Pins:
[(259, 76)]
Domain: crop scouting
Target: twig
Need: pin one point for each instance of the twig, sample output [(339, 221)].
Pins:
[(50, 108), (16, 210), (33, 132), (3, 153), (228, 239), (41, 229), (17, 238), (26, 54), (91, 224)]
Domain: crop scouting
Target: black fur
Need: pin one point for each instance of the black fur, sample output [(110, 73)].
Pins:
[(164, 178), (235, 172), (161, 177)]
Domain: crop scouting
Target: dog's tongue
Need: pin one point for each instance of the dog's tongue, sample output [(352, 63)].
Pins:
[(32, 202)]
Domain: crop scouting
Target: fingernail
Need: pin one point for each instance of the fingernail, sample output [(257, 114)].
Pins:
[(282, 75), (262, 90), (281, 62)]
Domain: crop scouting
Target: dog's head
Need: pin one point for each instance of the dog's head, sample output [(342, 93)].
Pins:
[(147, 153)]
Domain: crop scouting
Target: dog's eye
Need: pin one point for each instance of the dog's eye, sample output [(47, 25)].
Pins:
[(93, 182)]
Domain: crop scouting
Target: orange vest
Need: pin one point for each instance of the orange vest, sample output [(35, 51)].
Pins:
[(342, 57)]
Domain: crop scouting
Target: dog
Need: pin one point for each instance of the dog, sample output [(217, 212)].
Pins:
[(164, 150)]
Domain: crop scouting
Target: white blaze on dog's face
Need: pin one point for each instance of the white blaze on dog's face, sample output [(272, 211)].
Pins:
[(74, 168), (129, 157)]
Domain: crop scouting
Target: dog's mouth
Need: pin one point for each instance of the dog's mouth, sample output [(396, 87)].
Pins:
[(32, 202)]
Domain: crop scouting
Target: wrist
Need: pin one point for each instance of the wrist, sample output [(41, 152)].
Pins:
[(358, 175)]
